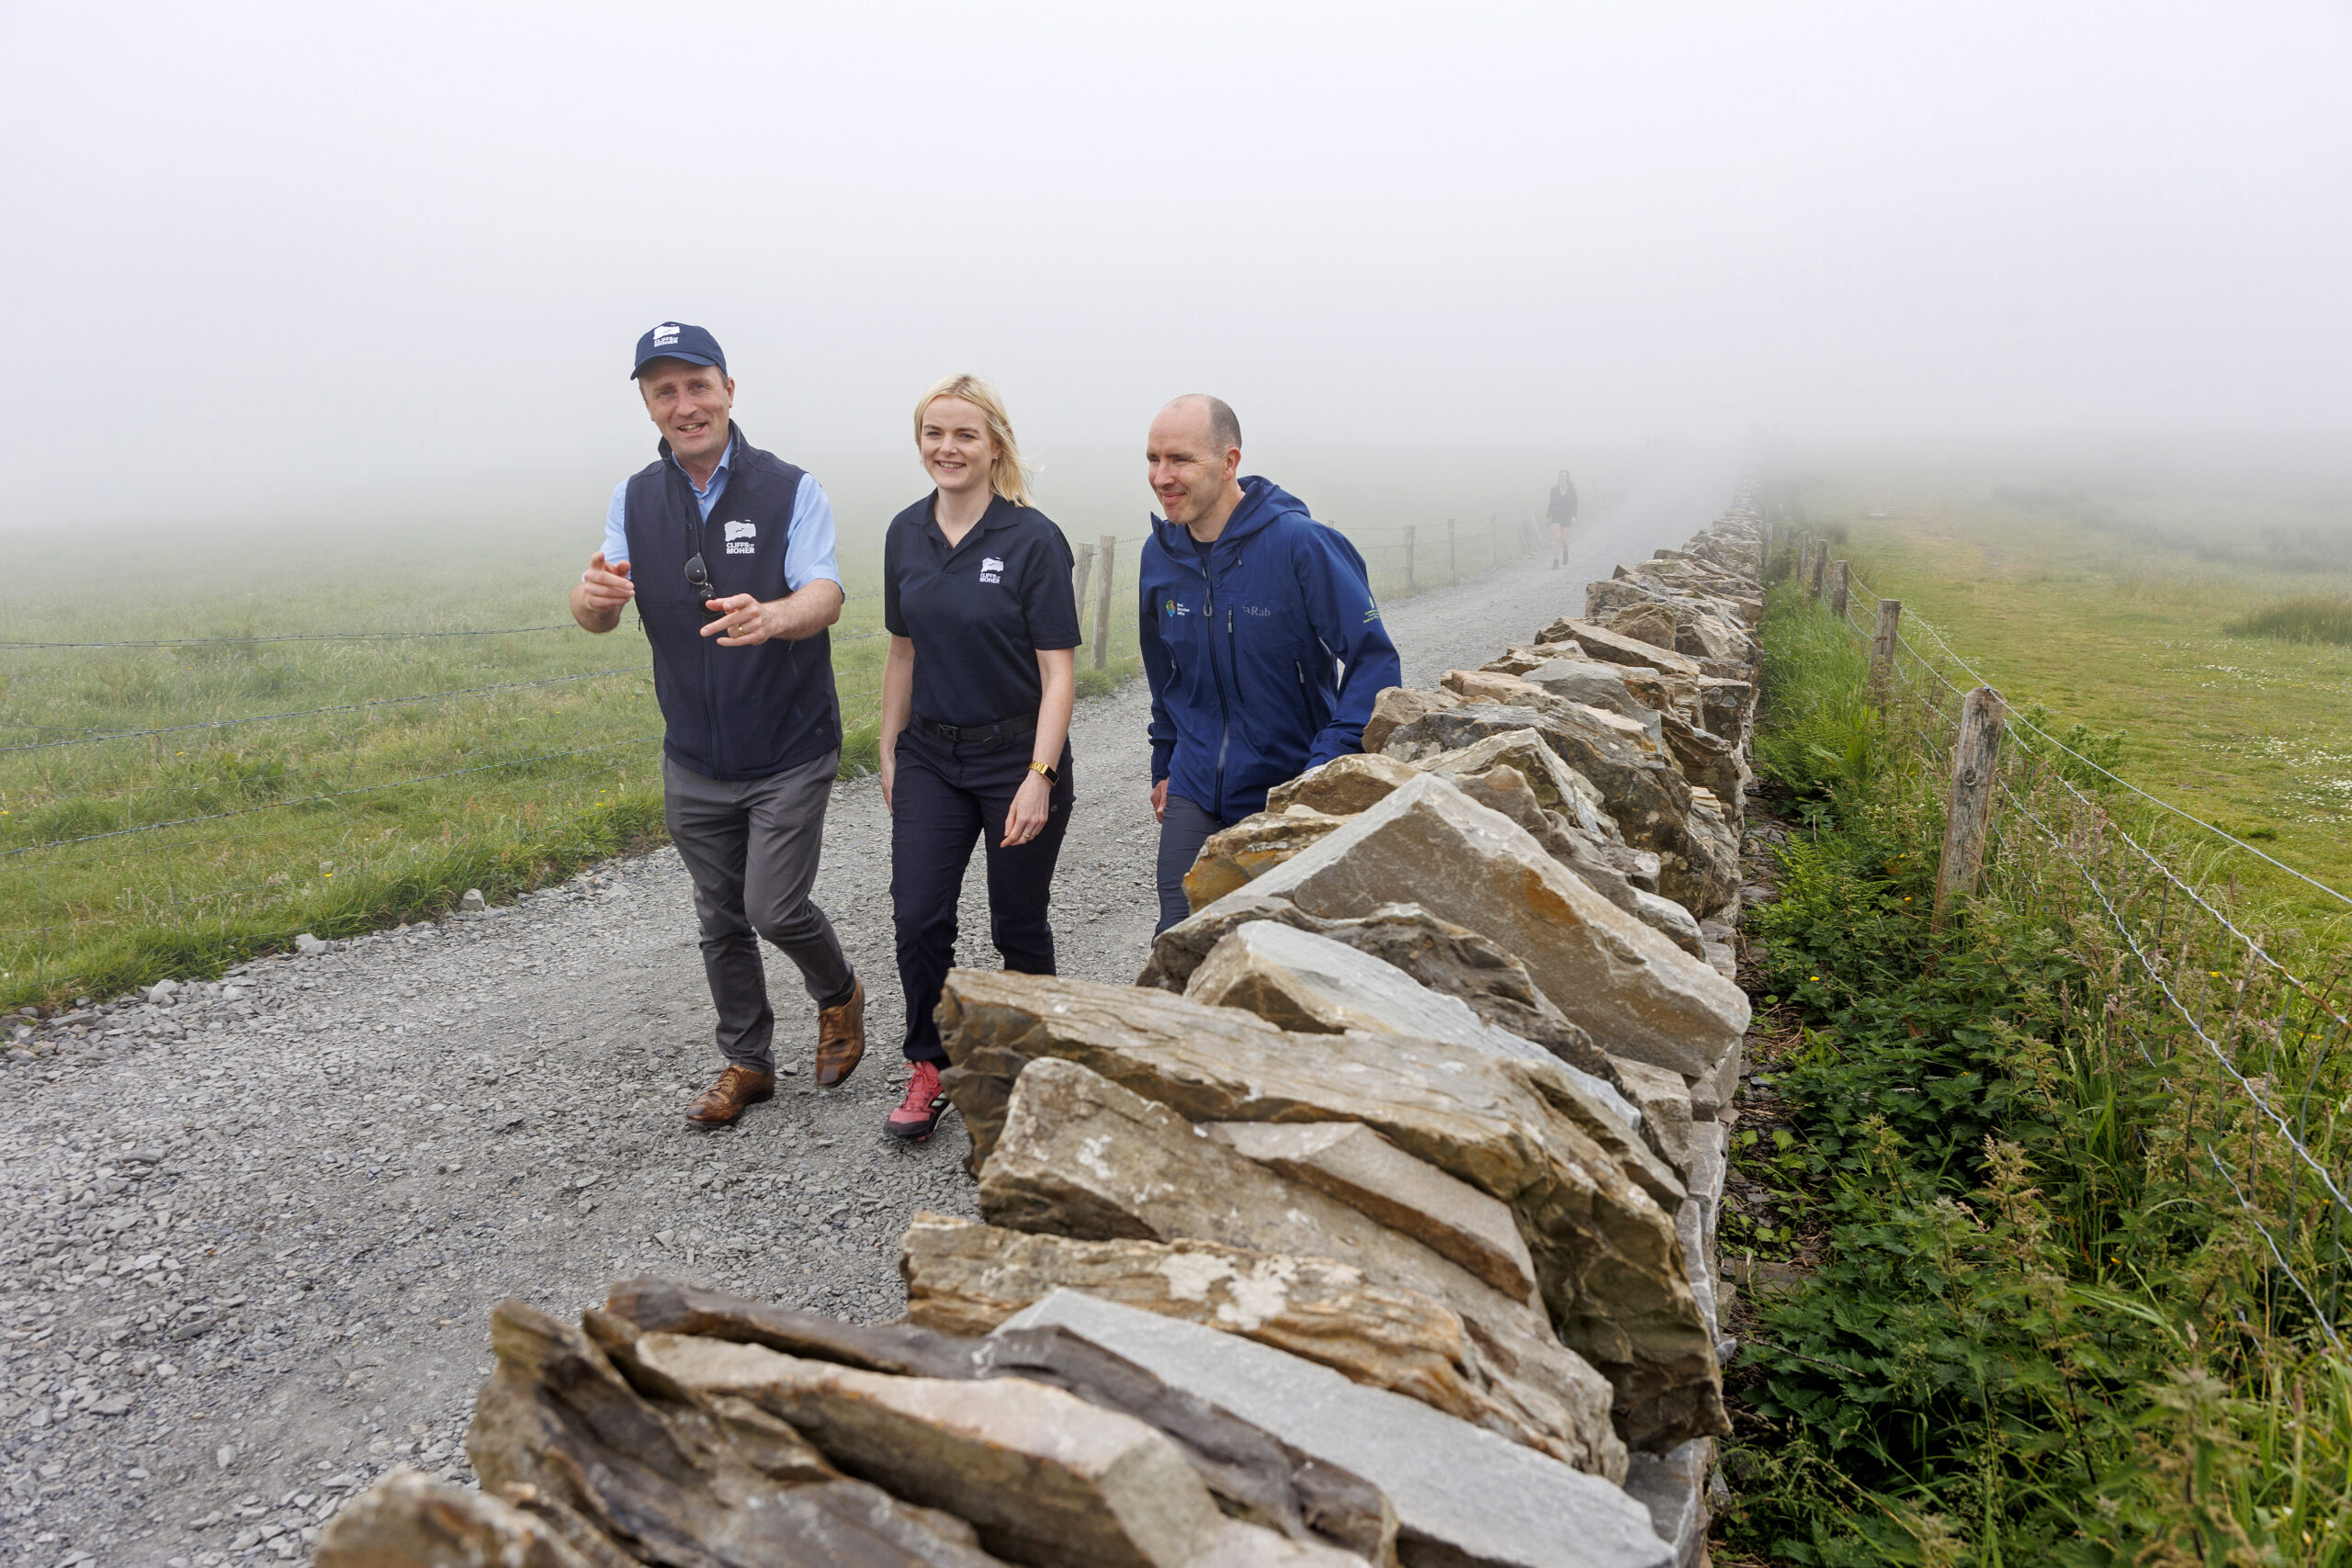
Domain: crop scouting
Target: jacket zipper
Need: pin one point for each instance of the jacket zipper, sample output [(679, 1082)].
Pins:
[(1224, 713)]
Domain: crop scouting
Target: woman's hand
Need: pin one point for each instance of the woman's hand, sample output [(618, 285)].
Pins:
[(887, 759), (1031, 805)]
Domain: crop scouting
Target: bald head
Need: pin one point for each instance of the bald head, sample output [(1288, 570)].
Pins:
[(1194, 457), (1218, 426)]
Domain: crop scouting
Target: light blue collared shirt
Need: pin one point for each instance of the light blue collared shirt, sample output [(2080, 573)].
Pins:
[(807, 548)]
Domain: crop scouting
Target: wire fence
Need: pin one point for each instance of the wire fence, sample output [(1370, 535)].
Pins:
[(2201, 966), (136, 815), (137, 841)]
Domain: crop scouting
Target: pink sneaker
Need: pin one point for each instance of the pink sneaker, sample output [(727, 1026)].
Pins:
[(919, 1113)]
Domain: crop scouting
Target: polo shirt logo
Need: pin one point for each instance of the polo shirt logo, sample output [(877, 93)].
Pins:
[(740, 537), (991, 570)]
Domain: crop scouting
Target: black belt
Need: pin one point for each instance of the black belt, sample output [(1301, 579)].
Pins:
[(987, 737)]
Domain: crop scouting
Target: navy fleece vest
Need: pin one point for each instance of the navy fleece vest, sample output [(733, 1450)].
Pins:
[(731, 712)]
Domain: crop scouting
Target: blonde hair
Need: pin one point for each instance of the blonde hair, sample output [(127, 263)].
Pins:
[(1007, 477)]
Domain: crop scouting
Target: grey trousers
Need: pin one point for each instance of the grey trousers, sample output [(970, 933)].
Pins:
[(751, 847)]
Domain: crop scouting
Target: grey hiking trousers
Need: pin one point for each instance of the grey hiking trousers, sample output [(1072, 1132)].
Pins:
[(751, 847)]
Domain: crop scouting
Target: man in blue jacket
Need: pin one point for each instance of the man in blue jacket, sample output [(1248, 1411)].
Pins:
[(1260, 637)]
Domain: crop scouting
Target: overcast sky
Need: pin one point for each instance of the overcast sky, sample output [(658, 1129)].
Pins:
[(254, 251)]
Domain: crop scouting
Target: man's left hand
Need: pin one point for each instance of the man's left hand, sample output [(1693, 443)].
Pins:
[(745, 622)]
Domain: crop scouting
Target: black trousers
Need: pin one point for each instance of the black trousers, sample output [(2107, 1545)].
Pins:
[(1183, 829), (946, 794)]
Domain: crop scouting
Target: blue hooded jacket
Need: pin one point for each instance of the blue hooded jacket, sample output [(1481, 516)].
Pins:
[(1266, 665)]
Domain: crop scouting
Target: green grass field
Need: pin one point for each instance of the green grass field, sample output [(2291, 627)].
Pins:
[(2115, 612), (168, 809), (403, 769)]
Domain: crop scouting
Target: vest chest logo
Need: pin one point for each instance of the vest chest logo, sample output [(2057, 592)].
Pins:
[(991, 570), (740, 537)]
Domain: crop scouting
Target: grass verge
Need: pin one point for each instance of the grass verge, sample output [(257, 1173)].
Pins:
[(2308, 618), (2112, 623), (2026, 1325)]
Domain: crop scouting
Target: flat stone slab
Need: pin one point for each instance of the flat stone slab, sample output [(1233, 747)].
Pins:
[(1463, 1495), (1044, 1476), (1638, 994), (1438, 953), (1349, 1161), (1296, 979), (967, 1279)]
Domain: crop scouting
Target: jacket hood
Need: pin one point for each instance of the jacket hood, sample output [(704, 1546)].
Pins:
[(1262, 501)]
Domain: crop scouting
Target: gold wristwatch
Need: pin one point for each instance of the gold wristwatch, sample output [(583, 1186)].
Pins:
[(1053, 774)]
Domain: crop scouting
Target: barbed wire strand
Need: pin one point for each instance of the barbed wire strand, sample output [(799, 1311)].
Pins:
[(338, 707), (2220, 1057), (315, 800), (293, 637), (2272, 1243), (2252, 946), (1929, 628)]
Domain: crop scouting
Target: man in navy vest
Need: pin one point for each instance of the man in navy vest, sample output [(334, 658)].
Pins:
[(728, 552)]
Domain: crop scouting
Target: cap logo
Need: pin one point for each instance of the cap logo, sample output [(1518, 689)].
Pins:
[(665, 334)]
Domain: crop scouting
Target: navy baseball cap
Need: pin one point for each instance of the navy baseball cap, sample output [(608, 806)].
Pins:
[(671, 341)]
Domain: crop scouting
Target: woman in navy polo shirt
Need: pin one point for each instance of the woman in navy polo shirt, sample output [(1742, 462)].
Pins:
[(975, 703)]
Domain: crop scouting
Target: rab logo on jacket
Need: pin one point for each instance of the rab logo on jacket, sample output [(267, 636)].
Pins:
[(740, 537)]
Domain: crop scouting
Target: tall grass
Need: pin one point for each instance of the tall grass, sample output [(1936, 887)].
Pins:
[(2040, 1323), (2307, 618)]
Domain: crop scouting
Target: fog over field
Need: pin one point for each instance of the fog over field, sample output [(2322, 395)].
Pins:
[(391, 259)]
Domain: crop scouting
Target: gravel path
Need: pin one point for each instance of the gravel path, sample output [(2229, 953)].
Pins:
[(247, 1239)]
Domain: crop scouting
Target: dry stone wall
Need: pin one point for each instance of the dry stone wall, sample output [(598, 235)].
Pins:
[(1374, 1223)]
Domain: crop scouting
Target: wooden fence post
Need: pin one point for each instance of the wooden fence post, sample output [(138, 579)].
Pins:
[(1082, 574), (1452, 574), (1975, 753), (1408, 558), (1816, 568), (1107, 548), (1840, 582), (1882, 645)]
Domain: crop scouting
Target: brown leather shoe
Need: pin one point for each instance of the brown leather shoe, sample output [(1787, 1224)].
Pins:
[(724, 1101), (841, 1038)]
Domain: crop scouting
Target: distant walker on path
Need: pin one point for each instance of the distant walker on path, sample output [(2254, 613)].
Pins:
[(728, 552), (1561, 508)]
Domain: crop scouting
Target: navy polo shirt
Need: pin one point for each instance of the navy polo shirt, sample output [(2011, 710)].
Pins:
[(979, 613)]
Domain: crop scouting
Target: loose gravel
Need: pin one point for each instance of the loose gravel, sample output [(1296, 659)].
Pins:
[(249, 1229)]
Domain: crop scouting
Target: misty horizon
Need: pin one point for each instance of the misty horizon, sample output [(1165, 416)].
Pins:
[(272, 254)]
